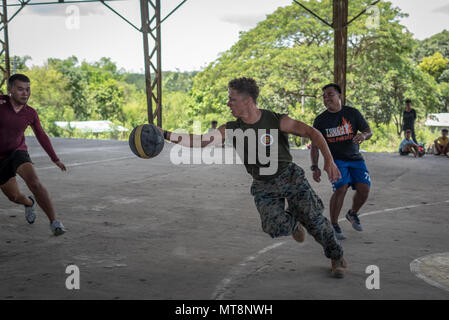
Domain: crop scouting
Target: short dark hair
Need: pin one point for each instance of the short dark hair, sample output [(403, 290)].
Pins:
[(17, 76), (245, 85), (408, 101), (333, 85), (408, 131), (444, 130), (214, 122)]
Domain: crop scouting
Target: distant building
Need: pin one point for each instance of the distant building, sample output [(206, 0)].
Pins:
[(99, 126), (438, 121)]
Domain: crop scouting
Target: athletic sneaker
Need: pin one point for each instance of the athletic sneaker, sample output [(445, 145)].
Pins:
[(354, 219), (57, 228), (339, 268), (299, 233), (30, 215), (338, 233)]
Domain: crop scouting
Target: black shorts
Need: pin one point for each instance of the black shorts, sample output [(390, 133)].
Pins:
[(9, 165)]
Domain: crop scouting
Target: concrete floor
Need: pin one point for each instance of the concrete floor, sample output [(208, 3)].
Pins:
[(149, 229)]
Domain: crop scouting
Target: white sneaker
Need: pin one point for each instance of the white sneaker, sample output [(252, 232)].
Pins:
[(30, 215), (57, 228)]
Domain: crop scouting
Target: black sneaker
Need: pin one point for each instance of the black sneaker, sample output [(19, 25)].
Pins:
[(338, 233), (355, 221)]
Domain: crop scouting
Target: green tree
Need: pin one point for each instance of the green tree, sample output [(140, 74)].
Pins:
[(49, 97), (437, 66), (76, 85), (428, 47), (290, 54), (434, 65)]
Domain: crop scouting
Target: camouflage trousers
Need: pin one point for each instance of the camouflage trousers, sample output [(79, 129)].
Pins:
[(304, 207)]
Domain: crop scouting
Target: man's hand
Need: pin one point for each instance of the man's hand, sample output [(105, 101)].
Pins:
[(332, 172), (61, 165), (2, 101), (359, 138), (160, 129), (317, 174)]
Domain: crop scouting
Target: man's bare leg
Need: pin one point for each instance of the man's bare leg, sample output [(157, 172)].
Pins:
[(28, 174), (360, 196), (438, 149), (412, 149), (11, 190), (336, 202)]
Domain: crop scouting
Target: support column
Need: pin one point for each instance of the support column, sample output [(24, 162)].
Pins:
[(151, 31), (4, 68), (340, 44)]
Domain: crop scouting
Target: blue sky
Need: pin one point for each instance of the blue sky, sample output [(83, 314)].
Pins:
[(191, 38)]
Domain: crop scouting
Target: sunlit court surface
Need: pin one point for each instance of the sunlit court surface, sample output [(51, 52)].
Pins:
[(149, 229)]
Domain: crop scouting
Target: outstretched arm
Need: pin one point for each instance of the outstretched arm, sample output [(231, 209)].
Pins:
[(299, 128), (190, 140), (44, 141)]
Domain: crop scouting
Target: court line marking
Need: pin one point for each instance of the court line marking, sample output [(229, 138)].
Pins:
[(74, 150), (77, 164), (225, 284), (221, 289), (415, 269)]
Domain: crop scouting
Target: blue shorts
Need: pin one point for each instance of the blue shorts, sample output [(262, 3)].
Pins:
[(352, 172)]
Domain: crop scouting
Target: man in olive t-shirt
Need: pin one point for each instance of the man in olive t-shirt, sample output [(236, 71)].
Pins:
[(260, 139)]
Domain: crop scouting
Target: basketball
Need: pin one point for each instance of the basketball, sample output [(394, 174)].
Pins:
[(146, 141)]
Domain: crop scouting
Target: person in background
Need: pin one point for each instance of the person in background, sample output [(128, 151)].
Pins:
[(15, 116), (344, 129), (408, 145), (442, 143), (408, 119)]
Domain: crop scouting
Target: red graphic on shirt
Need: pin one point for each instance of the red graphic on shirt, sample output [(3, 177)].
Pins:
[(267, 140), (341, 133), (347, 126)]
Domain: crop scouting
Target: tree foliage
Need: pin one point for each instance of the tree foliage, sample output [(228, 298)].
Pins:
[(290, 54)]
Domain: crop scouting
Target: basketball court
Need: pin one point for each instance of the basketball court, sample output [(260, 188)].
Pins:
[(149, 229)]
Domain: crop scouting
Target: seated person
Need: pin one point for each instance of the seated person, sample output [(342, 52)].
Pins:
[(408, 145), (442, 144)]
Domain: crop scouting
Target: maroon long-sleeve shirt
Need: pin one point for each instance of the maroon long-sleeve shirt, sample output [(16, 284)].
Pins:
[(12, 129)]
